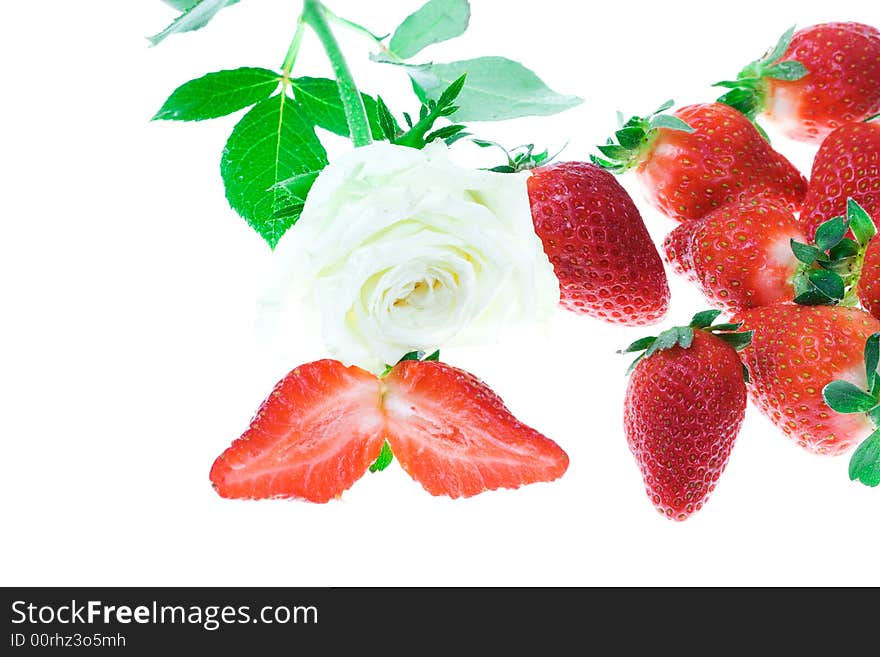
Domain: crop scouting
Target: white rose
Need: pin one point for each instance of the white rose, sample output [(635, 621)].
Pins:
[(400, 250)]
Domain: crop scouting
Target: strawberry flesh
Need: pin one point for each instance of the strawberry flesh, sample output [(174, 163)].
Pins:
[(313, 438), (451, 433)]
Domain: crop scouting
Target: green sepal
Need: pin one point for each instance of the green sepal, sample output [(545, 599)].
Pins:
[(747, 93), (845, 397), (746, 377), (384, 459), (683, 336), (633, 138), (829, 233), (872, 359), (420, 133), (412, 355), (845, 249), (864, 465), (806, 253), (705, 318), (860, 222)]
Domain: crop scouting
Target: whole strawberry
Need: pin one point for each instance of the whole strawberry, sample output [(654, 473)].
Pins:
[(813, 81), (795, 352), (740, 254), (752, 253), (684, 406), (846, 166), (701, 158), (594, 236)]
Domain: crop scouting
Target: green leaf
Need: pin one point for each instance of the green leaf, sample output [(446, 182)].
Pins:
[(497, 88), (844, 397), (195, 17), (830, 233), (738, 341), (296, 188), (452, 92), (872, 359), (864, 466), (386, 119), (704, 318), (630, 138), (218, 94), (435, 21), (847, 248), (670, 122), (828, 283), (804, 252), (789, 70), (639, 345), (779, 49), (860, 222), (320, 99), (384, 460), (273, 141), (682, 336)]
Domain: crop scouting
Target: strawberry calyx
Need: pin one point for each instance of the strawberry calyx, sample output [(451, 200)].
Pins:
[(520, 158), (830, 268), (634, 138), (871, 118), (747, 93), (846, 397), (683, 336), (386, 456)]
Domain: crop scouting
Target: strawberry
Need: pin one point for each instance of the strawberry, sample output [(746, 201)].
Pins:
[(314, 436), (453, 434), (846, 166), (869, 282), (594, 236), (740, 254), (795, 352), (684, 406), (844, 397), (813, 81), (749, 254), (701, 158), (324, 424)]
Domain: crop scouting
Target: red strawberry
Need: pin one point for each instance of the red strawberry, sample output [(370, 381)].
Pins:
[(701, 158), (314, 436), (846, 166), (869, 283), (795, 352), (677, 250), (813, 81), (684, 406), (594, 236), (741, 254), (453, 434), (324, 424)]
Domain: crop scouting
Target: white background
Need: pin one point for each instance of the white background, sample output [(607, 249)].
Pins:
[(128, 358)]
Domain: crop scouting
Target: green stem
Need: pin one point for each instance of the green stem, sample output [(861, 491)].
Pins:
[(352, 102), (293, 49)]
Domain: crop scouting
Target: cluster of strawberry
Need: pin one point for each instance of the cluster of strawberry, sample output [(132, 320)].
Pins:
[(788, 260)]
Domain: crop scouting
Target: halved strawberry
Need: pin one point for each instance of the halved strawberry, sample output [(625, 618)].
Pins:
[(312, 438), (324, 424), (455, 436)]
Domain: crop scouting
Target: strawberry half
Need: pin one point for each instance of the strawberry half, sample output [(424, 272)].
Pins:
[(454, 435), (314, 436), (813, 81), (601, 252), (846, 166), (684, 406), (701, 158), (795, 352), (324, 424)]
